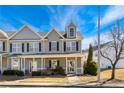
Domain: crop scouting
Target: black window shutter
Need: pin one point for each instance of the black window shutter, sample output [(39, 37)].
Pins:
[(58, 63), (77, 46), (57, 46), (49, 46), (10, 47), (3, 46), (27, 47), (64, 46), (22, 47), (49, 63), (39, 47)]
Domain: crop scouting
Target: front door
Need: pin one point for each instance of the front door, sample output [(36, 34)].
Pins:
[(71, 66), (34, 66), (30, 66)]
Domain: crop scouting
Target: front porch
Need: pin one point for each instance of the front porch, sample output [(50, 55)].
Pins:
[(28, 63)]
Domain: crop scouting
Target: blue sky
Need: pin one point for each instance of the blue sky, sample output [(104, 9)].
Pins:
[(43, 18)]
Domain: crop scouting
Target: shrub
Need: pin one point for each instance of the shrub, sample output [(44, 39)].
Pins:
[(90, 68), (49, 72), (43, 72), (85, 68), (19, 73), (59, 71), (36, 73), (46, 72), (13, 72)]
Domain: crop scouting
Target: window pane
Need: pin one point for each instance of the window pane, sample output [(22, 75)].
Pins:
[(72, 32), (53, 45)]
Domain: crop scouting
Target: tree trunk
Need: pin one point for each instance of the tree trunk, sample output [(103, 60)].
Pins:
[(113, 73)]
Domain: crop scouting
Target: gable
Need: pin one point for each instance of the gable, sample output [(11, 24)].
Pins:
[(3, 35), (53, 35), (25, 34)]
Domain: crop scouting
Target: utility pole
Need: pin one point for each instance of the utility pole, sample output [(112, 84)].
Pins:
[(98, 42)]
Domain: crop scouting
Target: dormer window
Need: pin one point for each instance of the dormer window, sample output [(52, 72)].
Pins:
[(72, 32)]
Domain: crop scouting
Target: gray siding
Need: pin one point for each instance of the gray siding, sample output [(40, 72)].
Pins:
[(25, 34)]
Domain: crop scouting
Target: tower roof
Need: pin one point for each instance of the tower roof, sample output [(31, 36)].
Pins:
[(71, 23)]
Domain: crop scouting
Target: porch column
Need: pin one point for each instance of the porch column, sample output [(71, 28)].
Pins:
[(44, 63), (82, 63), (66, 65), (1, 65), (11, 63), (32, 68), (76, 65), (24, 65), (21, 64)]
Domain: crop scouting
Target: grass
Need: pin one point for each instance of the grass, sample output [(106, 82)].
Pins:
[(45, 79), (105, 75)]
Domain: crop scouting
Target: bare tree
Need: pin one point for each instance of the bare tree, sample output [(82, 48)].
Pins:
[(116, 47)]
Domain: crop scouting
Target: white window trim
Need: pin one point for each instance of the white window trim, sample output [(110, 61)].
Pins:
[(69, 46), (70, 32), (33, 47), (74, 33), (17, 47), (53, 46)]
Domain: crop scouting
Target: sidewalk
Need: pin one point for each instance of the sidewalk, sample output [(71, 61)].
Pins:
[(37, 82), (72, 83)]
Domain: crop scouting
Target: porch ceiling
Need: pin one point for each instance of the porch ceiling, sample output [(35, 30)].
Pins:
[(3, 54)]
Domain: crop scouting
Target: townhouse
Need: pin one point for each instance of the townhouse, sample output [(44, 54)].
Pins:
[(28, 50), (104, 63)]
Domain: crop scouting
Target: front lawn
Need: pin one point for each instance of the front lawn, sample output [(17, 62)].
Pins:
[(105, 74)]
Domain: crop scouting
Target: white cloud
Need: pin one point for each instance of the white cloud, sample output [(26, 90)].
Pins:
[(93, 39), (86, 41), (60, 16), (112, 14), (25, 22), (6, 25)]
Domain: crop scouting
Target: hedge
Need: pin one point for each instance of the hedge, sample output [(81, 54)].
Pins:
[(48, 72), (13, 73)]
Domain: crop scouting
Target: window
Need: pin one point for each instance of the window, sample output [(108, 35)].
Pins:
[(71, 32), (16, 47), (33, 46), (54, 45), (54, 64), (68, 46), (1, 46), (30, 47), (71, 46)]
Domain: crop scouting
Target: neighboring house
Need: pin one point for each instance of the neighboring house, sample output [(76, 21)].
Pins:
[(104, 63), (28, 50)]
